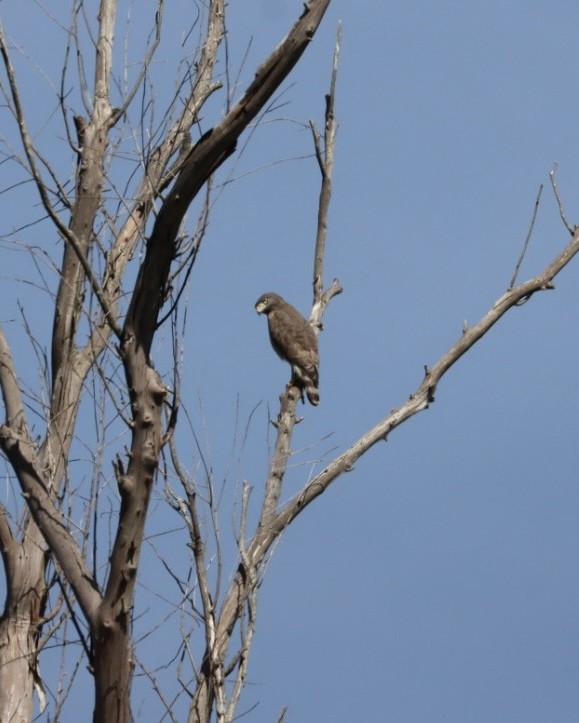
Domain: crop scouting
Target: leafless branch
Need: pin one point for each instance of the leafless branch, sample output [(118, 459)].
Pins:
[(325, 157), (286, 418), (66, 233), (43, 468), (527, 238), (16, 443), (247, 632), (7, 544), (552, 175), (204, 158), (267, 534), (241, 596), (146, 61), (10, 388), (424, 394), (167, 706)]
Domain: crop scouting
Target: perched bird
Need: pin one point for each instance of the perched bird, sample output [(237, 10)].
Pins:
[(294, 340)]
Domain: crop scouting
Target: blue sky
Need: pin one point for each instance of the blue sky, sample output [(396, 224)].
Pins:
[(439, 580)]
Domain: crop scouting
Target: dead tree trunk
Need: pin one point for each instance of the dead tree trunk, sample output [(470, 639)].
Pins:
[(40, 470), (20, 623)]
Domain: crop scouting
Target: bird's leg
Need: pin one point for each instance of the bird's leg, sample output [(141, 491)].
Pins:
[(297, 382)]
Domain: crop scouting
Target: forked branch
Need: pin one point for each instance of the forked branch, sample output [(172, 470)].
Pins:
[(422, 397), (203, 160), (241, 597), (286, 419), (67, 234)]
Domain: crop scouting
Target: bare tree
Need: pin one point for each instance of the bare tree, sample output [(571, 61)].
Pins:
[(181, 169), (127, 255)]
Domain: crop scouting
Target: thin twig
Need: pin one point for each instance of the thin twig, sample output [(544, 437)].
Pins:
[(118, 112), (63, 229), (247, 634), (552, 175), (527, 239), (325, 158)]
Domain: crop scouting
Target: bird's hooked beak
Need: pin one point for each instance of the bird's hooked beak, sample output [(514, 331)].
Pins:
[(260, 307)]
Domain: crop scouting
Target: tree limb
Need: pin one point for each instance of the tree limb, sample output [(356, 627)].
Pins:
[(242, 593), (17, 445), (266, 536), (67, 234), (286, 418), (422, 397), (204, 158), (325, 158), (8, 546)]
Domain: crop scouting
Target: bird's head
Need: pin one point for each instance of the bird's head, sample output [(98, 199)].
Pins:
[(267, 302)]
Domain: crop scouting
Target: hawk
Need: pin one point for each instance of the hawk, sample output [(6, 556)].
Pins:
[(294, 340)]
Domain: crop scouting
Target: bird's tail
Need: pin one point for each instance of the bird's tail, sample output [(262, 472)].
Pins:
[(312, 393), (308, 380)]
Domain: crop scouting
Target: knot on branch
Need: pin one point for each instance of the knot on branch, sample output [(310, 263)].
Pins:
[(430, 393), (157, 389), (7, 438), (80, 125), (126, 485), (150, 459)]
